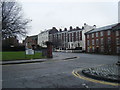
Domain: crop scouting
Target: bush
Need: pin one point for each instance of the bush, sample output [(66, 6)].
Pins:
[(16, 48)]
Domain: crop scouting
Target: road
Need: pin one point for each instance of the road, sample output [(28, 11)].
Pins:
[(55, 73)]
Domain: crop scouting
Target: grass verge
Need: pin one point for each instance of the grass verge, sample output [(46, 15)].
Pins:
[(20, 55)]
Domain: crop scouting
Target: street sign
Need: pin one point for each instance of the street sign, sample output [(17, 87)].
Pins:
[(29, 52)]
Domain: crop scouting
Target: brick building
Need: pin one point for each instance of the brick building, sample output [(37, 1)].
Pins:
[(31, 41), (104, 40)]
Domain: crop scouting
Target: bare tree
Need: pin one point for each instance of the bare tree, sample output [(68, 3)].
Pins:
[(13, 22)]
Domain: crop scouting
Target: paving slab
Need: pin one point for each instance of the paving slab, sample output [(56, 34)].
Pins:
[(108, 72)]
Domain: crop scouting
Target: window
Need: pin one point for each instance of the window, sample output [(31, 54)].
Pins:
[(88, 43), (108, 32), (97, 42), (93, 42), (73, 34), (70, 37), (88, 36), (101, 33), (118, 50), (92, 35), (96, 34), (88, 49), (78, 36), (93, 49), (101, 40), (102, 49), (65, 37), (117, 41), (109, 40), (117, 33)]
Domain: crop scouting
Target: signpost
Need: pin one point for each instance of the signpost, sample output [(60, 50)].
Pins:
[(29, 50)]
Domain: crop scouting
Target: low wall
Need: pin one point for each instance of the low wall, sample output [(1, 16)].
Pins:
[(72, 51)]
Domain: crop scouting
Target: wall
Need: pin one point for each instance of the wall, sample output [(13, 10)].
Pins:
[(86, 28)]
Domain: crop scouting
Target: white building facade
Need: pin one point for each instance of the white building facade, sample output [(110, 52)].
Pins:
[(42, 38), (70, 39), (86, 28)]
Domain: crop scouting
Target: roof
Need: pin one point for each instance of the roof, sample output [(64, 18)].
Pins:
[(33, 37), (117, 27), (50, 31), (45, 31), (75, 30), (102, 28)]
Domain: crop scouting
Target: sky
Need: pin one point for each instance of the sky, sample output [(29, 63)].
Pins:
[(46, 14)]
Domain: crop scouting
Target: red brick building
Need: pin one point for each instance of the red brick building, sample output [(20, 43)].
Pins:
[(104, 40), (31, 41)]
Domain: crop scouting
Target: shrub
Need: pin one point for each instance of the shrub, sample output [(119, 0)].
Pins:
[(16, 48)]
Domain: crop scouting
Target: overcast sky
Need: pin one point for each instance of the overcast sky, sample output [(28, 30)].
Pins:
[(46, 14)]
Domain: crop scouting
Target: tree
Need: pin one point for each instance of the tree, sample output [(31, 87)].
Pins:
[(13, 22)]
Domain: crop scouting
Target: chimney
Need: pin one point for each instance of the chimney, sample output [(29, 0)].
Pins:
[(71, 28), (54, 28), (65, 29), (94, 26), (82, 27), (77, 28), (84, 24), (60, 30)]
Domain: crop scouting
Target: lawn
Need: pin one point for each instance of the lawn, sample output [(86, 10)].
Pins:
[(20, 55)]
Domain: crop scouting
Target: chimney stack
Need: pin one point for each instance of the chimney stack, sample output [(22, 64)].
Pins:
[(65, 29), (60, 30), (71, 28)]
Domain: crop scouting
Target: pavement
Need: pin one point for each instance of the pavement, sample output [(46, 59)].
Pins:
[(55, 57), (107, 72)]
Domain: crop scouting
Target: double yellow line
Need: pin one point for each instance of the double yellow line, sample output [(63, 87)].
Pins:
[(75, 73)]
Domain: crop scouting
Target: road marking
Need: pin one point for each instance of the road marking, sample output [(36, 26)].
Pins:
[(75, 73)]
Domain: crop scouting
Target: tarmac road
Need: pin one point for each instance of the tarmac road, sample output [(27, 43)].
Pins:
[(55, 73)]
